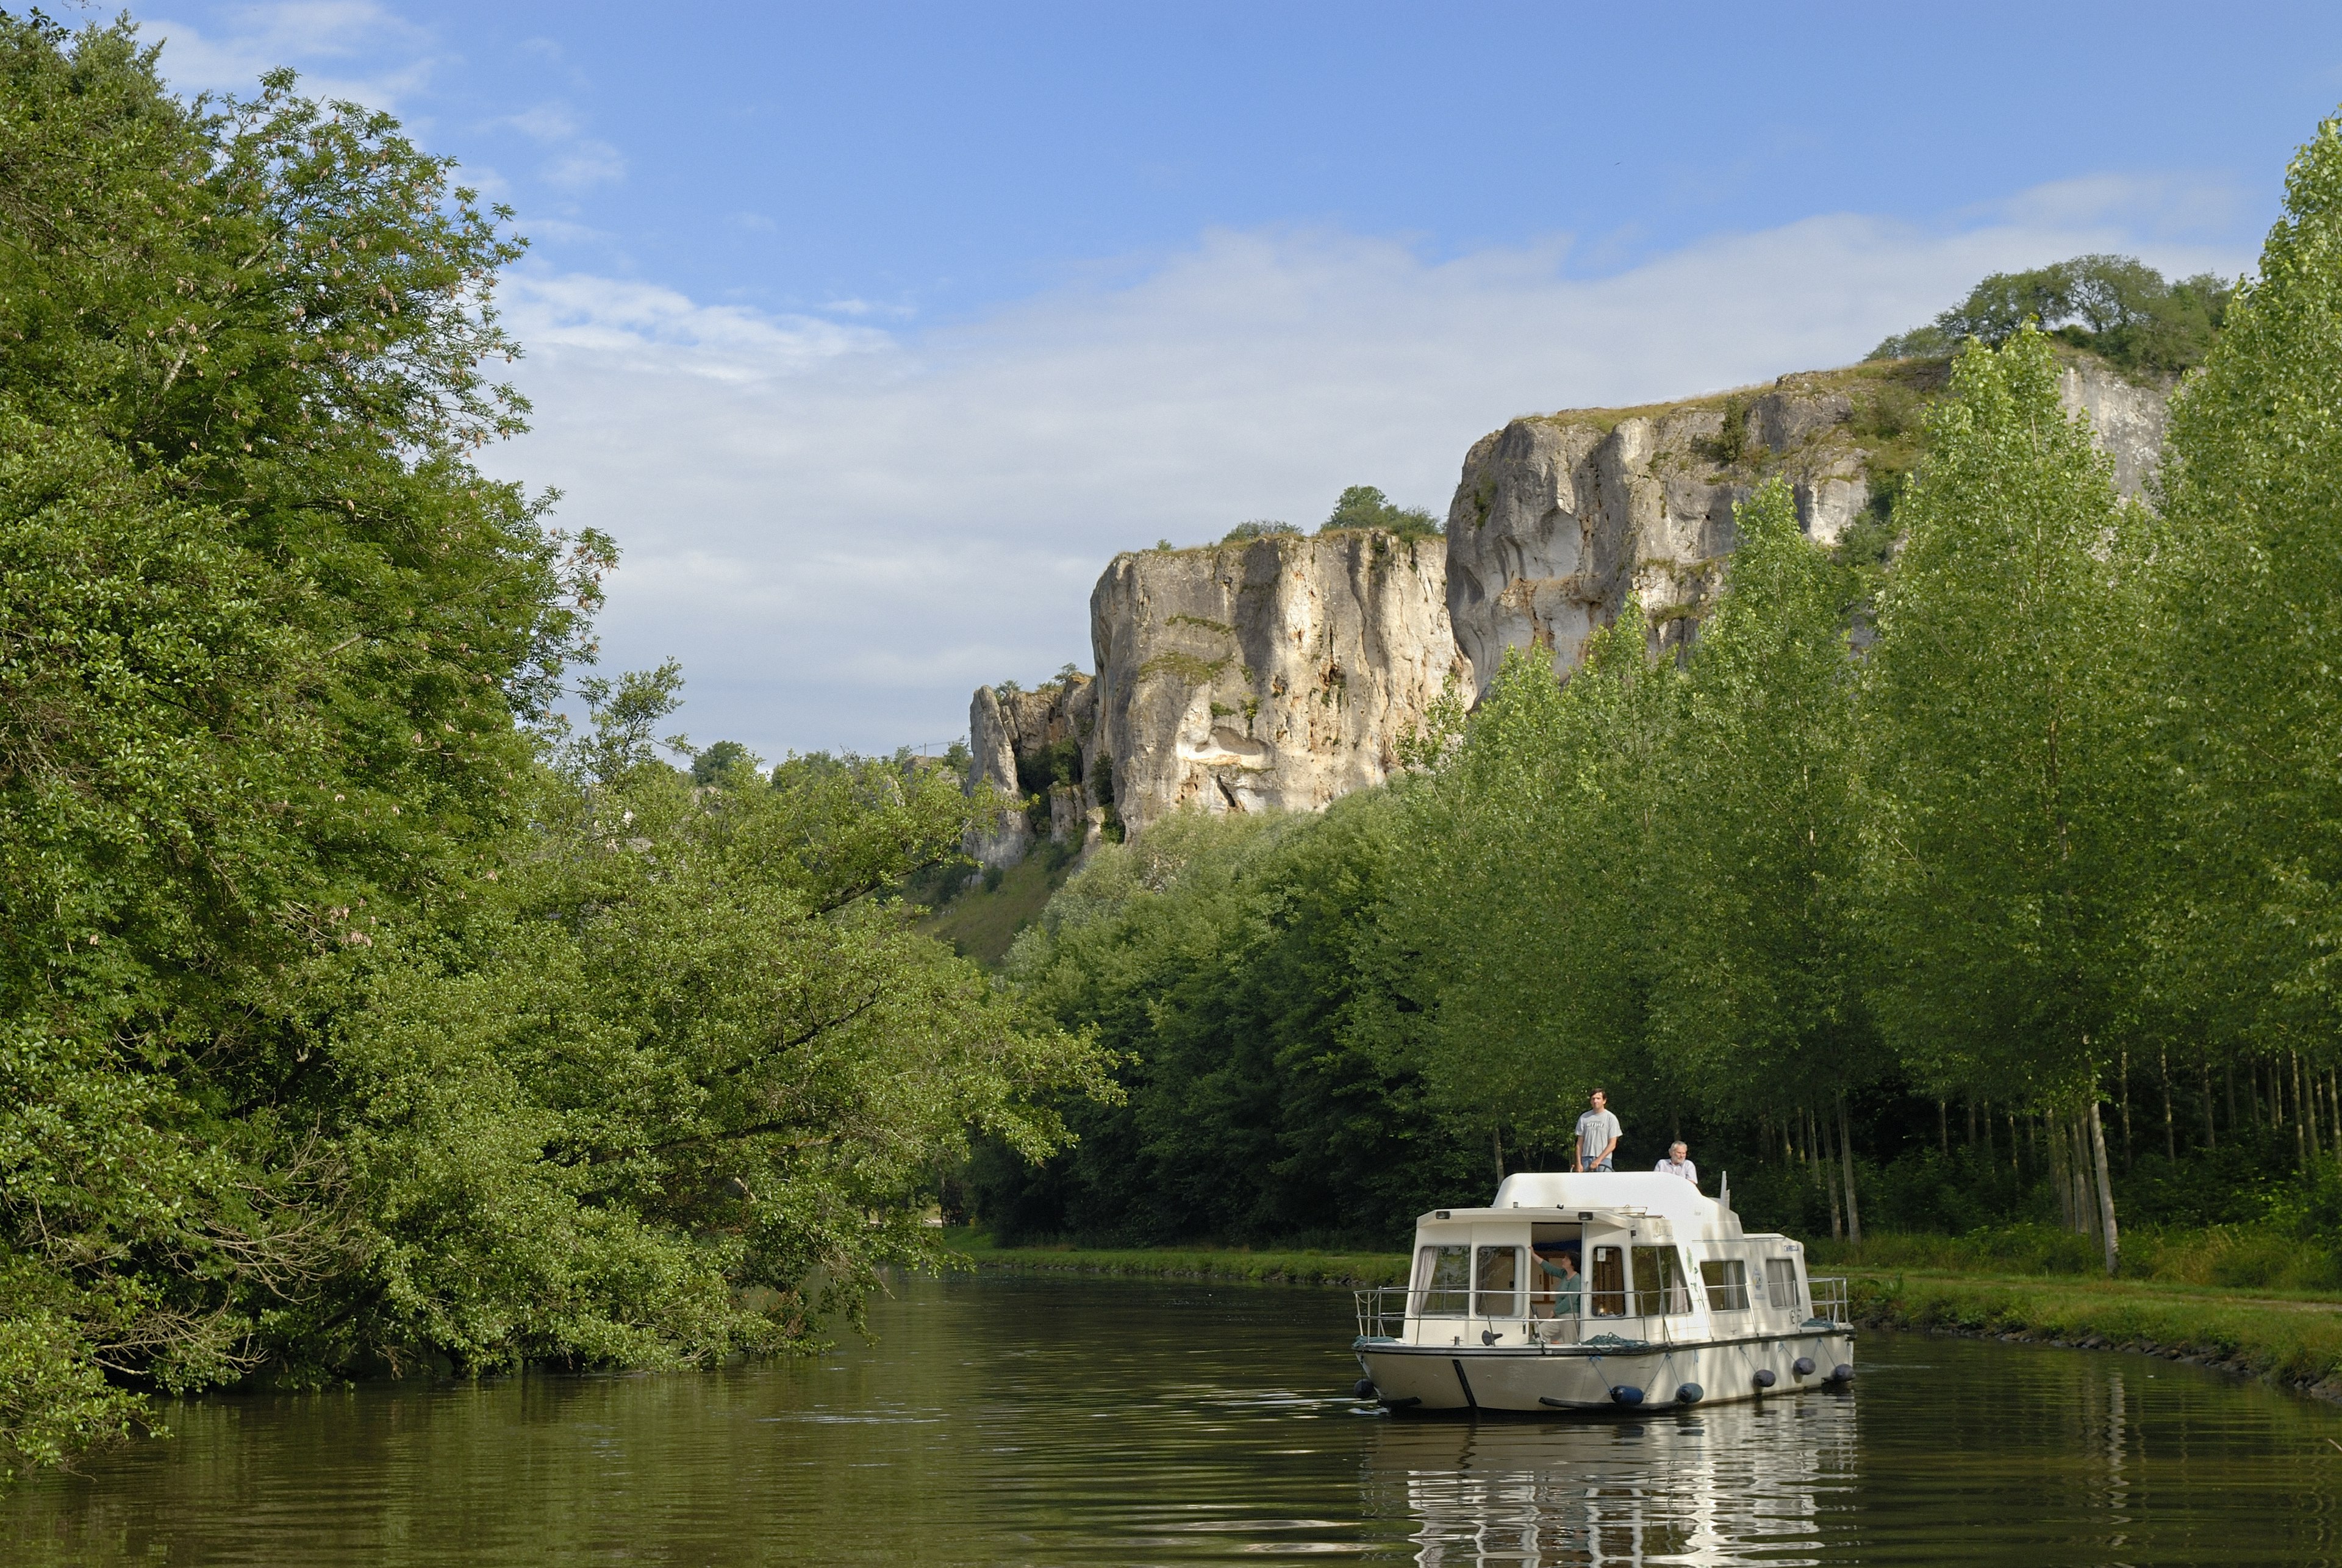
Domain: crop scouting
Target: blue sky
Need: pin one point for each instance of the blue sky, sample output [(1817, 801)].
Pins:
[(873, 332)]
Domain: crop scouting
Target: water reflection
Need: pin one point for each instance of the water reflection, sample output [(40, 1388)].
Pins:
[(1740, 1483), (1003, 1421)]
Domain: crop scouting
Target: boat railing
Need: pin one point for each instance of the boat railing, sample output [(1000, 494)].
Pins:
[(1828, 1296), (1383, 1310)]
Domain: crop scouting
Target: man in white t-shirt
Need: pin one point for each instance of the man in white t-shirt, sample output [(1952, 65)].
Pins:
[(1598, 1135), (1679, 1163)]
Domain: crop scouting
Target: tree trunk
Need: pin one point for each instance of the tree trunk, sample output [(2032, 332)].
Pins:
[(1496, 1140), (2106, 1193), (1846, 1152), (2305, 1124), (1828, 1182), (2061, 1180), (2211, 1134), (2084, 1199), (2170, 1137), (1943, 1130), (2126, 1111)]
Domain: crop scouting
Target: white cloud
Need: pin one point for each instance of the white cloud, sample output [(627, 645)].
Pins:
[(585, 162), (350, 49), (580, 160), (545, 123), (842, 530)]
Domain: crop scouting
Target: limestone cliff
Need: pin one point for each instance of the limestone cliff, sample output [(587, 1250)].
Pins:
[(1283, 672), (1278, 674), (1029, 744), (1559, 517)]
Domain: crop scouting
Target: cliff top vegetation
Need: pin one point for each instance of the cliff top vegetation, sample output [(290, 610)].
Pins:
[(2117, 306)]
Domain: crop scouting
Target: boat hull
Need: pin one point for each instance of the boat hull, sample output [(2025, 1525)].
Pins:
[(1559, 1379)]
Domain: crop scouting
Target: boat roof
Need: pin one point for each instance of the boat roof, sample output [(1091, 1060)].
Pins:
[(1648, 1192)]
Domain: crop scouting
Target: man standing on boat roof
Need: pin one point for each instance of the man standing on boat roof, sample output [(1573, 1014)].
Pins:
[(1598, 1135)]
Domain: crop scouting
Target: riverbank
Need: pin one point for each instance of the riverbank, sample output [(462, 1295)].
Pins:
[(2290, 1340), (2294, 1340), (1298, 1267)]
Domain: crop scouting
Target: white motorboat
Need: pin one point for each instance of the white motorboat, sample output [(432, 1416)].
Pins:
[(1677, 1305)]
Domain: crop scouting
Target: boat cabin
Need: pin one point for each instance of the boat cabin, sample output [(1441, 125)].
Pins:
[(1660, 1262)]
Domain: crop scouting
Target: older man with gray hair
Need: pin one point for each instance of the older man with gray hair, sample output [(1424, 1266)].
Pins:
[(1679, 1163)]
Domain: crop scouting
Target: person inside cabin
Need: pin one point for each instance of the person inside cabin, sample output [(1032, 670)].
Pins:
[(1567, 1292), (1679, 1163), (1598, 1135)]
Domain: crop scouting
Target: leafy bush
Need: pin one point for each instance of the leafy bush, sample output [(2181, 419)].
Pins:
[(1364, 506), (1260, 528)]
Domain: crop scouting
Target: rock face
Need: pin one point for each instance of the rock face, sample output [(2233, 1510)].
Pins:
[(1278, 674), (2128, 419), (1283, 672), (1559, 517), (1021, 743)]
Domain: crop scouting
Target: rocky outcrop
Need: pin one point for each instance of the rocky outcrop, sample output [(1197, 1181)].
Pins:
[(1558, 518), (2127, 416), (1030, 746), (1283, 672), (1280, 673)]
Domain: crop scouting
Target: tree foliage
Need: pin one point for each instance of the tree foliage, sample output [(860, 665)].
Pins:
[(2117, 306), (352, 1016), (1364, 506)]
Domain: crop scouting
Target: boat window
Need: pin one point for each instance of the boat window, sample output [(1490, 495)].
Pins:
[(1498, 1281), (1781, 1283), (1727, 1284), (1609, 1281), (1443, 1281), (1660, 1283)]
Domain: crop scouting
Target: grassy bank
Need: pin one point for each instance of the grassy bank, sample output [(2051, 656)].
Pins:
[(2292, 1338), (1267, 1267)]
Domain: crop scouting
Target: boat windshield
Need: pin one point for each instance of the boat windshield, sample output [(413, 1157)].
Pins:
[(1498, 1283), (1443, 1281)]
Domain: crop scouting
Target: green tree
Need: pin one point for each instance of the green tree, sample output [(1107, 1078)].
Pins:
[(1516, 920), (2005, 755), (336, 1029), (1217, 958), (1364, 506), (2117, 306), (716, 763), (267, 631), (1754, 912), (683, 1085), (1258, 528), (2250, 571)]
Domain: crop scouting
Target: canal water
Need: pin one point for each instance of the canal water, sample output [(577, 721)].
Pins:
[(1003, 1419)]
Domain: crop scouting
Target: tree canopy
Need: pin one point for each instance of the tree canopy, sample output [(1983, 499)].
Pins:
[(355, 1014), (2117, 306)]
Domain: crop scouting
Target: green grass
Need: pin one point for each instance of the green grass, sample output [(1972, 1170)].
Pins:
[(980, 923), (2291, 1339), (1307, 1267), (1926, 1283), (2264, 1259)]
